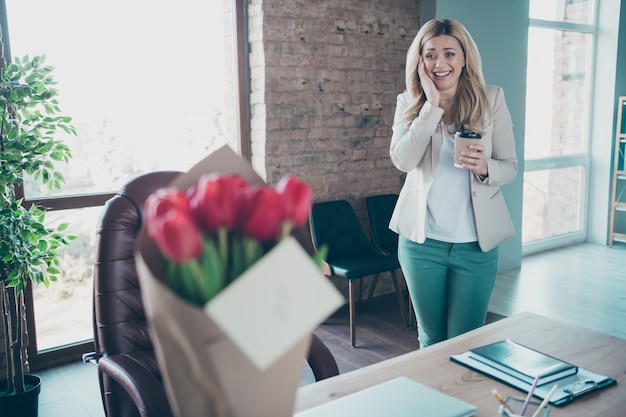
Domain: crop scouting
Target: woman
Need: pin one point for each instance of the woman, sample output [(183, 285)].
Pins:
[(450, 220)]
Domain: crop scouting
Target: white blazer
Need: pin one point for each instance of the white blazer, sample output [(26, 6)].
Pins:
[(415, 150)]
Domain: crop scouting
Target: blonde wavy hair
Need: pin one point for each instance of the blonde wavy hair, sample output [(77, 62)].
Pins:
[(471, 103)]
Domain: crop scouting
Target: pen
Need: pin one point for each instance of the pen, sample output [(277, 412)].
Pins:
[(501, 400), (530, 395), (545, 400)]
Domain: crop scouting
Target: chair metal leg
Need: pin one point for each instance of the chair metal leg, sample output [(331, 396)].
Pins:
[(372, 288), (403, 312), (352, 312)]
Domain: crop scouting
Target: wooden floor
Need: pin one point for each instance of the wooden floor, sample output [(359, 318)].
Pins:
[(381, 334), (582, 284)]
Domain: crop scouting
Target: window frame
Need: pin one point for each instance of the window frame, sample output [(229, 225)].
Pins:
[(75, 351), (571, 160)]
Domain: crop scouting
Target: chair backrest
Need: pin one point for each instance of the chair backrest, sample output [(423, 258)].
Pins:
[(335, 224), (120, 325), (379, 209)]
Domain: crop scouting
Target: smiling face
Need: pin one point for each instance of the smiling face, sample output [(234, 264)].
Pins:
[(444, 60)]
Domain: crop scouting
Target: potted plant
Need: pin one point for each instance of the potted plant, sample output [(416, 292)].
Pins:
[(29, 250)]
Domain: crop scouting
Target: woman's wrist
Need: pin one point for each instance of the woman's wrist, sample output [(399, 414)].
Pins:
[(434, 103)]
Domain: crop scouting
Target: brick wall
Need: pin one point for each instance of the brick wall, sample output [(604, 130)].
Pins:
[(324, 81)]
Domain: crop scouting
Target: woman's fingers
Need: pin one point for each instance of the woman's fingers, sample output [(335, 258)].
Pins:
[(475, 160)]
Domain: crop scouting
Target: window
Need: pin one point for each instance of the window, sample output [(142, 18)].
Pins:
[(560, 52), (149, 85)]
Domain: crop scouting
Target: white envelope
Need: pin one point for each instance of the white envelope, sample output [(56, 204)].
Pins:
[(275, 304)]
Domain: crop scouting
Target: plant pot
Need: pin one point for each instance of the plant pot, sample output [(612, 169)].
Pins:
[(21, 405)]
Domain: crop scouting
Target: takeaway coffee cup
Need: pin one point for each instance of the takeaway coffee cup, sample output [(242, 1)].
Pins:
[(462, 140)]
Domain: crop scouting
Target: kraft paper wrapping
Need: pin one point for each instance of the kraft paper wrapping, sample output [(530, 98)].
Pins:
[(212, 364)]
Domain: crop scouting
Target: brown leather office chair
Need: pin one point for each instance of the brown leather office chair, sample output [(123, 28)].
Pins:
[(130, 380)]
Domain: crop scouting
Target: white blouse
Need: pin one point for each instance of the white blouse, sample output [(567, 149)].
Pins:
[(450, 216)]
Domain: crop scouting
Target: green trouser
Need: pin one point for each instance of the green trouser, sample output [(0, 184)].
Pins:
[(449, 284)]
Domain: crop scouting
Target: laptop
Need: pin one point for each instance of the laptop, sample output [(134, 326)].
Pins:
[(399, 397)]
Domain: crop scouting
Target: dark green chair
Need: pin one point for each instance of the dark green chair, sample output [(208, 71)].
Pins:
[(351, 255), (379, 209)]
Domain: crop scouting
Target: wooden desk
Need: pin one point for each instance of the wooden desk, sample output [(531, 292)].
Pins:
[(431, 366)]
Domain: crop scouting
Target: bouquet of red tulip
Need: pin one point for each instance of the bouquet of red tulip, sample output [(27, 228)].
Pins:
[(221, 226), (230, 296)]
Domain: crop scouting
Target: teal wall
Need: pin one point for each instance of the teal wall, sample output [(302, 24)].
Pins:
[(500, 29)]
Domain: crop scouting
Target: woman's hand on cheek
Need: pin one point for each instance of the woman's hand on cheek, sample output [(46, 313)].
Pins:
[(432, 94)]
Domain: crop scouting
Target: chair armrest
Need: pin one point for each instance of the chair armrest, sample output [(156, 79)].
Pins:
[(91, 357), (142, 386), (321, 359)]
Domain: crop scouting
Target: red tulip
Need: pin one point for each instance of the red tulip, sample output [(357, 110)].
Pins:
[(170, 225), (216, 199), (262, 213), (296, 199), (164, 199)]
